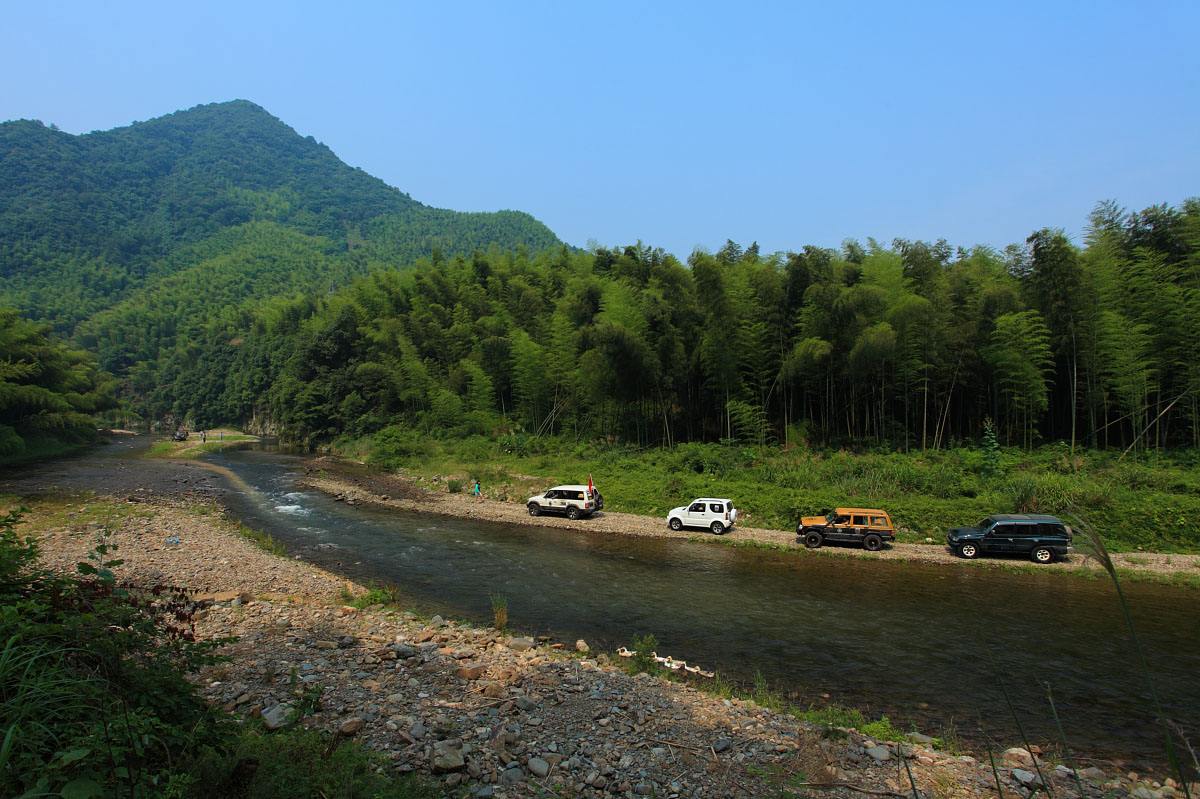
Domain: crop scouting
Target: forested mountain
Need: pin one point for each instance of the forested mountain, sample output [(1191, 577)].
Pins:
[(88, 222), (913, 345)]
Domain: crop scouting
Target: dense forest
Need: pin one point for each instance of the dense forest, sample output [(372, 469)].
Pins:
[(913, 345), (49, 393), (227, 269)]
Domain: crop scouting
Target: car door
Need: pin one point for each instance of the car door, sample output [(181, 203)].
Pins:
[(859, 524), (1024, 538), (552, 500), (697, 515), (716, 512), (999, 540)]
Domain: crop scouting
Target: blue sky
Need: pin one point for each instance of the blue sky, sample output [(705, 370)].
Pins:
[(680, 124)]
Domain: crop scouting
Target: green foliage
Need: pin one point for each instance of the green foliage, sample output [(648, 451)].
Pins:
[(48, 392), (298, 762), (991, 449), (1144, 500), (93, 698), (644, 647)]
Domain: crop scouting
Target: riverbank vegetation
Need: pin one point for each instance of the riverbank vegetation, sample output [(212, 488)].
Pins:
[(95, 701), (49, 392), (1145, 500)]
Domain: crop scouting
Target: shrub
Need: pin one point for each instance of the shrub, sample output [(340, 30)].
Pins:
[(92, 687), (499, 611), (393, 446), (644, 648), (454, 486)]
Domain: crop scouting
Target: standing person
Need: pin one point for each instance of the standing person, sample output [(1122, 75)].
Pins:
[(203, 436), (477, 491)]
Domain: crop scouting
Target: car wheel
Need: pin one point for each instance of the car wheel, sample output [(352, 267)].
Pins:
[(813, 540), (872, 543), (1042, 555), (573, 513), (675, 524), (718, 528), (535, 509), (969, 551)]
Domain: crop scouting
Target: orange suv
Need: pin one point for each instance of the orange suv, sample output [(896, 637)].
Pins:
[(868, 527)]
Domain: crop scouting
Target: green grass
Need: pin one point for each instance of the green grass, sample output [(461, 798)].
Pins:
[(1148, 500), (193, 448), (299, 762), (262, 540)]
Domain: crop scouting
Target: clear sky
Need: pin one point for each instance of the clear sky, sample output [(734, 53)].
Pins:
[(680, 124)]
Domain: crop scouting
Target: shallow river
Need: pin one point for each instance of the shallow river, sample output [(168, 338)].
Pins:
[(925, 644)]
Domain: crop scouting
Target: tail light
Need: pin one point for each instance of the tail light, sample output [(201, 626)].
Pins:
[(587, 504), (726, 515)]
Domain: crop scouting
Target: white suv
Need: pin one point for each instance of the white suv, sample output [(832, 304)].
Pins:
[(574, 501), (717, 515)]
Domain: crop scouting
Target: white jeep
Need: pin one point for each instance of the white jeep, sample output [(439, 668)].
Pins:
[(717, 515), (575, 501)]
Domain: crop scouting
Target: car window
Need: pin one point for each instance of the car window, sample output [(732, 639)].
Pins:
[(985, 524), (575, 495), (551, 495), (697, 508), (716, 507), (1001, 529), (1022, 530), (879, 521), (860, 520), (841, 519), (1051, 529)]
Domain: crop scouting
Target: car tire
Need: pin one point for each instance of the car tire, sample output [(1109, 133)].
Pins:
[(872, 543), (675, 524), (535, 509), (717, 528), (1042, 555), (573, 513), (968, 551), (813, 539)]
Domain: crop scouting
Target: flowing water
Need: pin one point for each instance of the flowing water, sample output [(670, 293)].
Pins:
[(925, 644)]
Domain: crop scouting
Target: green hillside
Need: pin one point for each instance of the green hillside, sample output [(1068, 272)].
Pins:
[(104, 221)]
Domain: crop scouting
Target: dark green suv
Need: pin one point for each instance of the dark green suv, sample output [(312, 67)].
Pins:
[(1040, 538)]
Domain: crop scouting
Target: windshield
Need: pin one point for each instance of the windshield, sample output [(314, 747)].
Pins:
[(986, 524)]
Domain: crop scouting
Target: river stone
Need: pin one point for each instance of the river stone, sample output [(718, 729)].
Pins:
[(582, 646), (721, 744), (1143, 792), (447, 756), (879, 753), (351, 725), (538, 767), (473, 672), (1017, 757), (418, 731), (520, 644), (275, 717), (1093, 773), (1024, 777)]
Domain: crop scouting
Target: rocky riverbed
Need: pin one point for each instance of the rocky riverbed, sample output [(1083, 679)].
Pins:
[(492, 713)]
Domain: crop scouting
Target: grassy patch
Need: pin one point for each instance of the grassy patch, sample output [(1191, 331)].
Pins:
[(262, 540), (299, 762), (1141, 501), (193, 447)]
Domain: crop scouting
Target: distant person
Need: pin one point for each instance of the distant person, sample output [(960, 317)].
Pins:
[(203, 436), (477, 491)]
